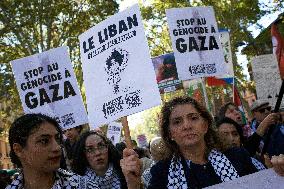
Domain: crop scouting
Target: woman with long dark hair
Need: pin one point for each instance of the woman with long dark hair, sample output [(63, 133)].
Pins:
[(35, 142), (197, 158), (97, 159)]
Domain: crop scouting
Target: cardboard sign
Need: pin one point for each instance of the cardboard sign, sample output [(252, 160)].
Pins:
[(166, 73), (196, 44), (47, 84), (114, 132), (267, 78), (266, 179), (226, 45), (118, 73)]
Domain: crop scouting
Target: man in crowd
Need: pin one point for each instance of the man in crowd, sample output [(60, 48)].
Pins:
[(259, 111)]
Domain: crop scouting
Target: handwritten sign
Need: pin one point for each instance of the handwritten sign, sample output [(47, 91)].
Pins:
[(267, 78)]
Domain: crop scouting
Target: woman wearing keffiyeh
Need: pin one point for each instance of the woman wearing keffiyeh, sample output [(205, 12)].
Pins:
[(35, 142), (197, 159), (96, 159)]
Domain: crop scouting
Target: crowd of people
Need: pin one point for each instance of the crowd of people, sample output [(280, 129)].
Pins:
[(193, 150)]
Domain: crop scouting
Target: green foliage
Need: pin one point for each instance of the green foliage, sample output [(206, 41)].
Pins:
[(29, 27), (150, 125), (233, 15)]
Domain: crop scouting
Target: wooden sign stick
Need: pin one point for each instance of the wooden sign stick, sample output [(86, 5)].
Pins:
[(126, 132)]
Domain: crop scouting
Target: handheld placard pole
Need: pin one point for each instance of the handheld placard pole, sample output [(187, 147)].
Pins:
[(126, 132), (276, 109), (280, 97)]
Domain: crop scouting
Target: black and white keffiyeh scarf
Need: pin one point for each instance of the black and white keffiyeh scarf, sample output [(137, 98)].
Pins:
[(109, 181), (146, 175), (222, 167), (63, 180), (257, 164)]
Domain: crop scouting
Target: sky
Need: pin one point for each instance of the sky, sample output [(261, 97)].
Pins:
[(265, 21)]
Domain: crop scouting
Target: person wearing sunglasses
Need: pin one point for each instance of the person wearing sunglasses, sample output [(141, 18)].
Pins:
[(262, 121), (259, 111), (98, 160)]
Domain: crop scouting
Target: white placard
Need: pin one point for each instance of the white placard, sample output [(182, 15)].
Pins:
[(47, 84), (226, 45), (267, 78), (266, 179), (196, 44), (118, 73), (114, 132)]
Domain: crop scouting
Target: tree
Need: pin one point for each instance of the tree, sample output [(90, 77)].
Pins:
[(236, 16), (29, 27), (233, 15)]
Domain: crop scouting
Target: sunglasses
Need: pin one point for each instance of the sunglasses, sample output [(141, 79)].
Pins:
[(263, 109)]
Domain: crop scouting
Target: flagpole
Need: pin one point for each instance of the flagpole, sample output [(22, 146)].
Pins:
[(204, 92), (233, 89)]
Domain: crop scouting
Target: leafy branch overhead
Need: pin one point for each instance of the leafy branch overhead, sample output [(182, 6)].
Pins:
[(29, 27)]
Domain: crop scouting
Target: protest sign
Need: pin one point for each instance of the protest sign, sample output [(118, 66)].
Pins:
[(166, 73), (226, 46), (142, 141), (47, 84), (196, 43), (267, 78), (266, 179), (118, 73), (114, 132)]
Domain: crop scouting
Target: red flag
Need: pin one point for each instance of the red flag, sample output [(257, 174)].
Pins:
[(278, 48), (237, 99), (213, 81), (239, 104)]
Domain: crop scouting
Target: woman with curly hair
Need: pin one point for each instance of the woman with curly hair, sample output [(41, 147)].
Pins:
[(35, 141), (197, 158), (97, 159)]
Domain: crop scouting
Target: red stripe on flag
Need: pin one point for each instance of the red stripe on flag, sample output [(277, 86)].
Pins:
[(278, 48), (213, 81)]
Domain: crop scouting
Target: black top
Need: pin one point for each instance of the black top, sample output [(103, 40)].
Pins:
[(200, 176)]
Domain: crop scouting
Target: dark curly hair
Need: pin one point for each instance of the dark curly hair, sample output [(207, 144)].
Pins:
[(80, 162), (22, 128), (211, 138)]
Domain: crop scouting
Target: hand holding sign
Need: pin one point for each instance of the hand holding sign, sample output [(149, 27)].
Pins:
[(278, 164)]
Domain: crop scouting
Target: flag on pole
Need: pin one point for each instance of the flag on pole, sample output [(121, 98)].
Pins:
[(214, 81), (278, 48)]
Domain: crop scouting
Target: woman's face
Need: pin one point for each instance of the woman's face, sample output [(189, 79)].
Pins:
[(187, 127), (234, 114), (42, 151), (72, 134), (229, 135), (97, 153)]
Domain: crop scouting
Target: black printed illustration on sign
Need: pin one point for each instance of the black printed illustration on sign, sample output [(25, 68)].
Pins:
[(66, 120), (115, 64), (202, 69)]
